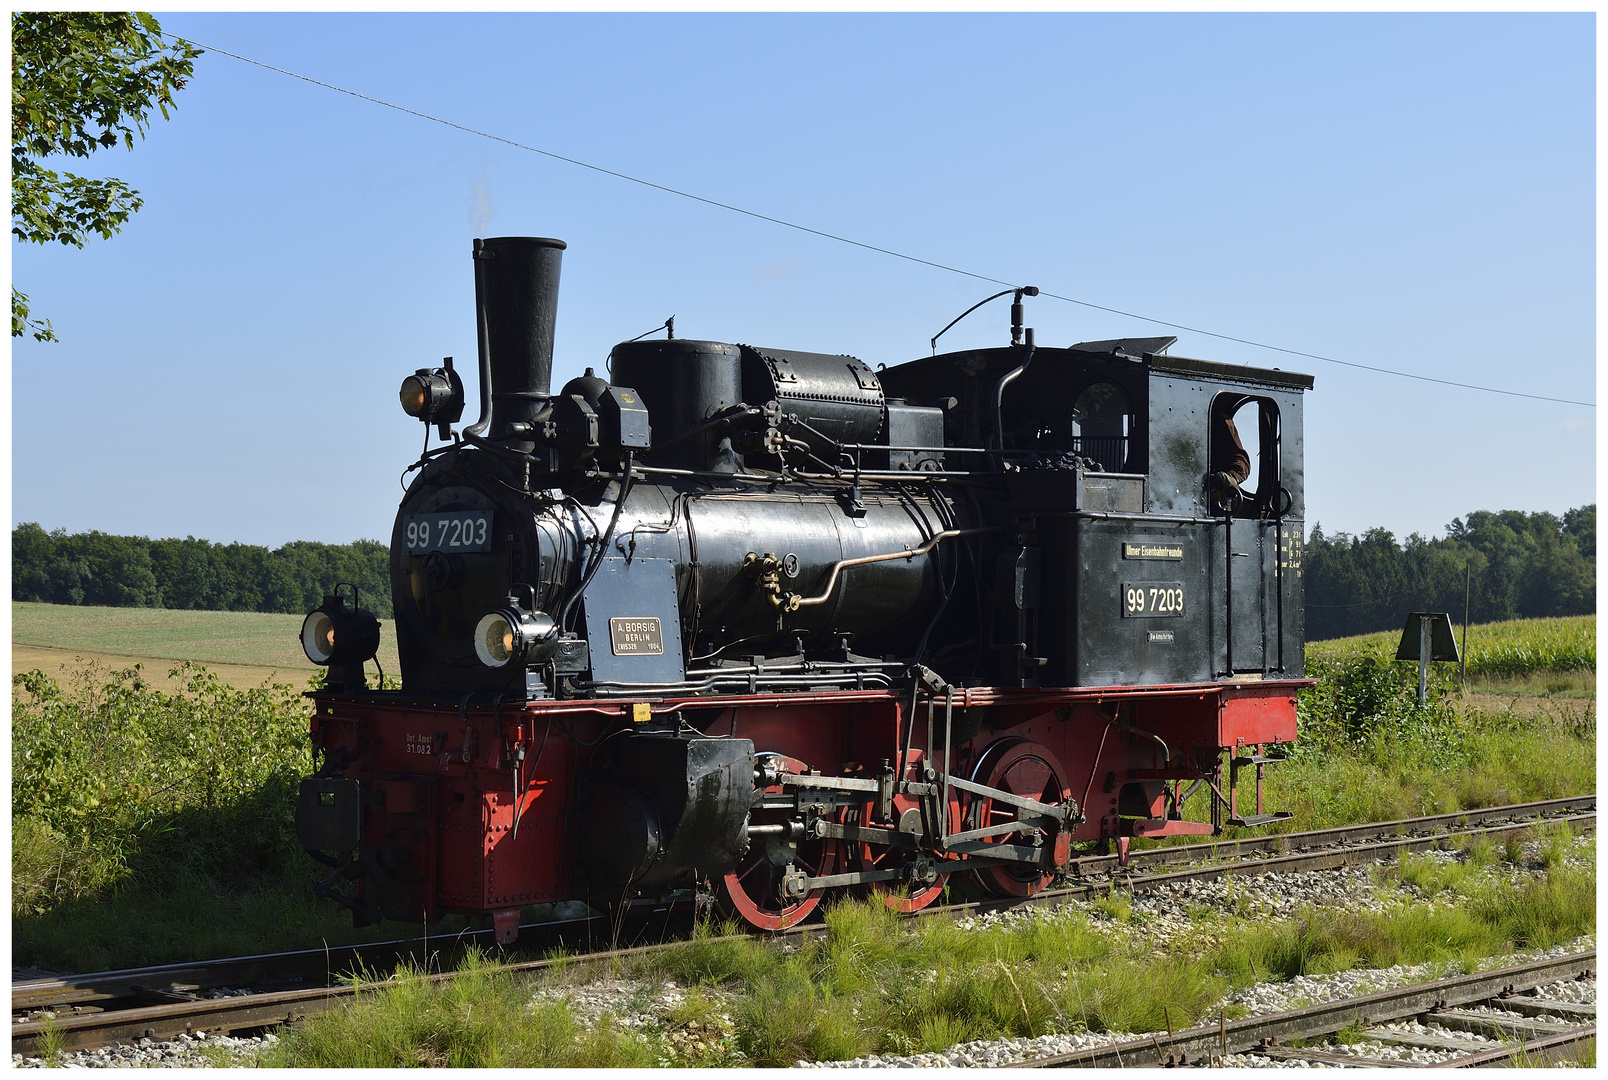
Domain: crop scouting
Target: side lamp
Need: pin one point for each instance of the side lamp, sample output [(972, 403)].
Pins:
[(342, 638)]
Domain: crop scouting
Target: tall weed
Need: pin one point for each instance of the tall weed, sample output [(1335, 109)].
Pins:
[(484, 1018), (1551, 909)]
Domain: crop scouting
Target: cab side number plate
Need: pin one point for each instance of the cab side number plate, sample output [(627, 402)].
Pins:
[(1152, 599)]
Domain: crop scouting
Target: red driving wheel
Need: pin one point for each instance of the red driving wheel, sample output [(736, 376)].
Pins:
[(1020, 767), (898, 895), (753, 890)]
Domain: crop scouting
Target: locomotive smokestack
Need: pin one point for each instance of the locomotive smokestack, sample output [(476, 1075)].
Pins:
[(516, 301)]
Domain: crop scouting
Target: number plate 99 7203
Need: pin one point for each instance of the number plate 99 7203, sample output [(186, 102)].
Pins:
[(1152, 599), (462, 530)]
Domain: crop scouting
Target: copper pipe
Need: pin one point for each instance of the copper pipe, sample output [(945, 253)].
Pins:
[(864, 560)]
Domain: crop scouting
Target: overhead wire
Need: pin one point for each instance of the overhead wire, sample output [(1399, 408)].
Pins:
[(866, 246)]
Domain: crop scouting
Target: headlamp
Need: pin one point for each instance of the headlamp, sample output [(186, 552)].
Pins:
[(511, 635), (434, 395), (337, 634), (318, 637)]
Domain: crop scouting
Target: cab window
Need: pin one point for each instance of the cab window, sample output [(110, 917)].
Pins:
[(1244, 474), (1102, 425)]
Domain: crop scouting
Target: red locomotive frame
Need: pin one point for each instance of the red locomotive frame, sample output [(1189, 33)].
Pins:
[(441, 809)]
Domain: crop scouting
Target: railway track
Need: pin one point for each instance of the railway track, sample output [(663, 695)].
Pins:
[(1482, 1019), (251, 993), (1319, 849)]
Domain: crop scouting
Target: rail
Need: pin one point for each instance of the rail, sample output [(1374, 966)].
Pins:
[(1204, 1044)]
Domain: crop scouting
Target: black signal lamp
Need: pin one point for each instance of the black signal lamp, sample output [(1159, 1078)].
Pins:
[(341, 638), (513, 636), (434, 395)]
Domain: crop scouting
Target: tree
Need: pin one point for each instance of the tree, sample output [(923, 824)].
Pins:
[(1520, 565), (1581, 525), (32, 551), (81, 81)]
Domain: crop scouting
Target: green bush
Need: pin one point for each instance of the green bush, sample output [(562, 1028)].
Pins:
[(1367, 751), (117, 777), (1364, 697)]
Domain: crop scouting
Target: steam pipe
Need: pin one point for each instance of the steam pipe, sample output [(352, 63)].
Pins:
[(999, 392), (480, 425), (864, 560)]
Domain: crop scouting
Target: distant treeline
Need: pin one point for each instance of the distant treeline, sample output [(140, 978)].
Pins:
[(132, 571), (1523, 566)]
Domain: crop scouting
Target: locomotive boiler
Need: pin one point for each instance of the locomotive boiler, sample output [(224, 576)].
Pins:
[(767, 624)]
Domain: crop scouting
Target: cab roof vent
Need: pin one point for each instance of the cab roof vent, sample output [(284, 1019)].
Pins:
[(1134, 347)]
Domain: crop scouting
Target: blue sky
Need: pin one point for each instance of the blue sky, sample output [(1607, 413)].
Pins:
[(1411, 192)]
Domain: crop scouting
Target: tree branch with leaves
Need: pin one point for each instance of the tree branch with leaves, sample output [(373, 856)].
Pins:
[(81, 82)]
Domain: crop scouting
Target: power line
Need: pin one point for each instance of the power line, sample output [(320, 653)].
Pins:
[(861, 244), (1316, 356)]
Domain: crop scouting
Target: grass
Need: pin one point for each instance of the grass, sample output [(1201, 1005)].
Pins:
[(52, 1043), (152, 825), (1476, 760), (1491, 918), (1368, 752), (1583, 1055), (252, 639), (876, 984), (484, 1018), (192, 917)]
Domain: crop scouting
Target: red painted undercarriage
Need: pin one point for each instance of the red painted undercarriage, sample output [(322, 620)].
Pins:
[(485, 809)]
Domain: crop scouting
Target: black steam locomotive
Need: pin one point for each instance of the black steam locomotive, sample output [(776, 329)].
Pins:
[(768, 623)]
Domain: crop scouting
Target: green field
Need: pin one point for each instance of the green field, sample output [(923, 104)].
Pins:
[(243, 638), (1555, 656)]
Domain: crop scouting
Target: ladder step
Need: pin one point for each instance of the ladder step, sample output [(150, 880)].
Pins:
[(1261, 819), (1261, 759)]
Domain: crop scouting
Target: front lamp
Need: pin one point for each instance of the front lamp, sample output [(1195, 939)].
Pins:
[(424, 394), (434, 395), (511, 635), (340, 635)]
